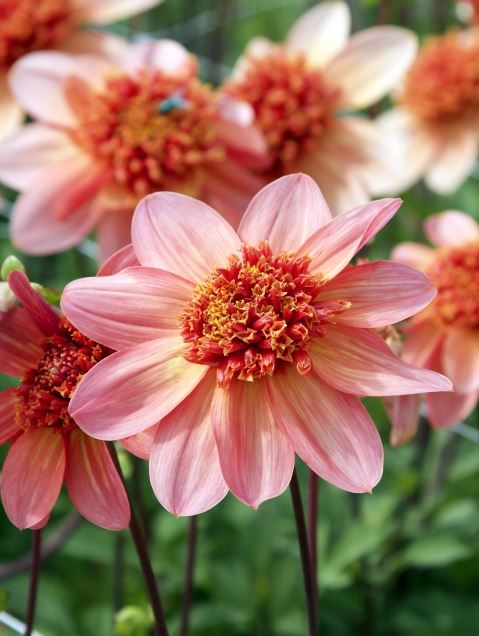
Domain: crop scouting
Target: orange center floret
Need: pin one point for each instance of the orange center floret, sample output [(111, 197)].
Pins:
[(293, 103), (44, 393), (32, 25), (154, 132), (259, 312), (456, 276), (443, 83)]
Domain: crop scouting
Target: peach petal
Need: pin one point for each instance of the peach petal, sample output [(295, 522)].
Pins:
[(256, 458), (134, 389), (381, 293), (11, 114), (451, 167), (125, 257), (451, 228), (96, 43), (140, 444), (358, 361), (447, 409), (422, 339), (20, 342), (40, 312), (372, 64), (107, 11), (181, 235), (285, 213), (185, 469), (114, 232), (403, 411), (331, 431), (333, 246), (167, 56), (93, 483), (32, 476), (413, 254), (9, 427), (137, 304), (321, 32), (460, 359)]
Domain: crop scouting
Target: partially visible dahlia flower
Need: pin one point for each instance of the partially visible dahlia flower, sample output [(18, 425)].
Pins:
[(47, 448), (238, 350), (107, 134), (445, 335), (34, 25), (436, 118), (305, 93)]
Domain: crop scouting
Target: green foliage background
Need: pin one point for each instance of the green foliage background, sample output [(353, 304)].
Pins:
[(402, 560)]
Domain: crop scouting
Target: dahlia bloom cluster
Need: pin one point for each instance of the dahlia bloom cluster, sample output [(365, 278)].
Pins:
[(236, 350)]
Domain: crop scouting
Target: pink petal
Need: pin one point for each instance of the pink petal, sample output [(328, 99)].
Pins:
[(460, 359), (257, 47), (11, 115), (27, 153), (134, 389), (451, 228), (403, 411), (114, 233), (256, 458), (414, 254), (41, 313), (140, 444), (137, 304), (447, 409), (451, 167), (321, 32), (181, 235), (372, 64), (122, 259), (285, 213), (20, 342), (108, 11), (9, 426), (167, 56), (59, 208), (358, 361), (96, 43), (381, 293), (32, 476), (330, 431), (185, 470), (334, 245), (93, 483)]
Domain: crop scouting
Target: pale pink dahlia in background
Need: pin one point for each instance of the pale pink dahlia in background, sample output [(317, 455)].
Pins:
[(445, 335), (34, 25), (239, 349), (305, 92), (436, 118), (47, 448), (107, 134)]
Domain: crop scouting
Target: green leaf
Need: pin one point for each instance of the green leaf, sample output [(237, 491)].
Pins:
[(436, 551)]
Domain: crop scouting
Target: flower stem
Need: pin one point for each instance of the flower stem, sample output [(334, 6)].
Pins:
[(145, 563), (304, 550), (34, 572), (313, 513), (189, 567)]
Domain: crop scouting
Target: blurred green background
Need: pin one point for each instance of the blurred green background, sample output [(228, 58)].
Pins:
[(402, 560)]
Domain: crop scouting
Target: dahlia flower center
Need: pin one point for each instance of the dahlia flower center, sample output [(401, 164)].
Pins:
[(32, 25), (443, 83), (255, 315), (153, 132), (456, 275), (293, 103), (44, 393)]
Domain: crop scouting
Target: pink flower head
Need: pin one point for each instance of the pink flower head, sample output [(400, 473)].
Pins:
[(301, 88), (436, 120), (47, 447), (236, 350), (445, 335), (34, 25), (109, 133)]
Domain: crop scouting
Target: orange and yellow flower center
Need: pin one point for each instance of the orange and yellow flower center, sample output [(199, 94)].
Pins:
[(443, 83), (44, 393), (455, 273), (256, 314), (293, 103), (153, 132), (32, 25)]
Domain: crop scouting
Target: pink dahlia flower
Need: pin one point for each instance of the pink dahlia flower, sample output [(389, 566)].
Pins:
[(301, 89), (436, 118), (34, 25), (445, 335), (109, 133), (237, 350), (47, 447)]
